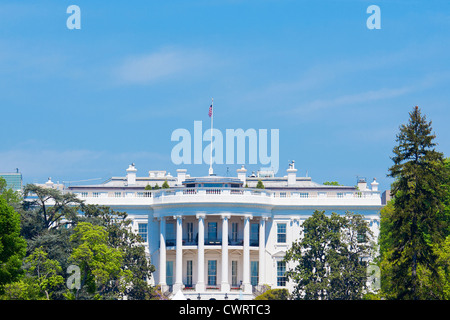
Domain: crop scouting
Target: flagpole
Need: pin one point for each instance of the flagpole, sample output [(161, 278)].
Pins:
[(212, 119)]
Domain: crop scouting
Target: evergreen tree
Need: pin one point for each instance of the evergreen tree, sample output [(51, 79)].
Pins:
[(418, 218)]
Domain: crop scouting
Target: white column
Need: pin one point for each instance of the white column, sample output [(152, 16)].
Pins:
[(200, 286), (262, 249), (179, 256), (225, 285), (246, 273), (162, 253)]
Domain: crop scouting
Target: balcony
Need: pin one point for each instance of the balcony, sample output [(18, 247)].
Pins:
[(186, 242), (231, 195), (171, 242), (240, 242)]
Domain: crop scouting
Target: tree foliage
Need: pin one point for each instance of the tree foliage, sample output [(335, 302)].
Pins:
[(12, 197), (274, 294), (121, 236), (12, 245), (417, 217), (52, 204), (100, 264), (59, 230), (42, 278), (260, 185), (331, 183), (327, 259)]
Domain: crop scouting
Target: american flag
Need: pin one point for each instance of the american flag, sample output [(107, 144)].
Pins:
[(210, 111)]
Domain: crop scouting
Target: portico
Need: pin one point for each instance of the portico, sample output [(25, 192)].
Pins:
[(211, 252)]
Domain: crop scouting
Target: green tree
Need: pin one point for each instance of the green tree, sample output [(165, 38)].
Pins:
[(418, 217), (274, 294), (41, 279), (121, 236), (45, 272), (12, 197), (331, 183), (12, 245), (44, 220), (432, 286), (21, 290), (135, 266), (436, 287), (100, 264), (165, 185), (327, 259), (349, 273), (53, 205), (260, 185)]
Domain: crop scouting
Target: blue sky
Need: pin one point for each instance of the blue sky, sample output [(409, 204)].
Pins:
[(84, 104)]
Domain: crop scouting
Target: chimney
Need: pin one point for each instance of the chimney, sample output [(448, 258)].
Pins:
[(49, 183), (374, 184), (362, 184), (292, 174), (131, 175), (181, 175), (241, 173)]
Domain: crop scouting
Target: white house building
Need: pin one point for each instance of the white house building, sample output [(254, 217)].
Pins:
[(221, 237)]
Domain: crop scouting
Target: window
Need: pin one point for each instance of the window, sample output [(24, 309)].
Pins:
[(234, 278), (190, 232), (189, 274), (212, 272), (361, 237), (340, 194), (304, 194), (117, 194), (234, 231), (254, 234), (281, 232), (96, 194), (84, 194), (254, 268), (212, 231), (142, 231), (282, 194), (212, 185), (170, 234), (169, 273), (281, 278)]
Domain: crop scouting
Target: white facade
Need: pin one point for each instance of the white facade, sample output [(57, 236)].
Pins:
[(185, 225)]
